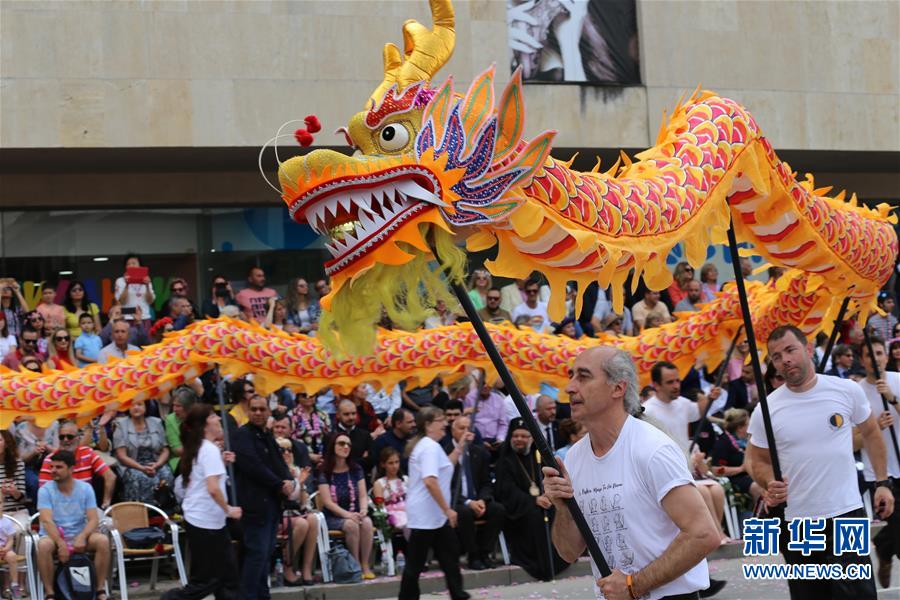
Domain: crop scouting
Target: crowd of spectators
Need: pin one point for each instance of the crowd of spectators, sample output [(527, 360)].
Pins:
[(300, 456)]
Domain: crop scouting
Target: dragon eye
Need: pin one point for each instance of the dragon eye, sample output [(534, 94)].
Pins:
[(393, 137)]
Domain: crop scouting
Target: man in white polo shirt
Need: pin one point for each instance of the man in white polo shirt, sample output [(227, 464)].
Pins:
[(633, 486), (669, 407), (812, 420), (887, 542)]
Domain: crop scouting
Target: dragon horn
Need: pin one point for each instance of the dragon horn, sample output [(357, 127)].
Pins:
[(426, 51)]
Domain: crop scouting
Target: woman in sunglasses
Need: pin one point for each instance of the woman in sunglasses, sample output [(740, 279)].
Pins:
[(676, 292), (77, 303), (35, 321), (62, 353), (12, 304)]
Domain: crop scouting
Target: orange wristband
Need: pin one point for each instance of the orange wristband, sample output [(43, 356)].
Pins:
[(629, 581)]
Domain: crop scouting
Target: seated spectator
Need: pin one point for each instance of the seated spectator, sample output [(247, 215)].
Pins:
[(479, 285), (403, 425), (728, 453), (453, 410), (676, 292), (32, 362), (303, 311), (472, 497), (442, 316), (119, 347), (28, 344), (181, 312), (570, 431), (612, 324), (140, 446), (491, 312), (709, 280), (710, 489), (138, 333), (76, 304), (518, 485), (490, 416), (342, 488), (8, 341), (134, 295), (34, 443), (183, 398), (693, 297), (179, 289), (87, 345), (303, 525), (842, 360), (254, 299), (96, 435), (53, 313), (652, 321), (533, 309), (221, 296), (322, 287), (310, 426), (893, 363), (650, 306), (276, 315), (391, 485), (69, 521), (361, 450), (62, 354), (89, 466), (13, 491), (567, 328)]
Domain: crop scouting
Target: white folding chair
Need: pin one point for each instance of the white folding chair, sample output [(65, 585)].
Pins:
[(26, 549)]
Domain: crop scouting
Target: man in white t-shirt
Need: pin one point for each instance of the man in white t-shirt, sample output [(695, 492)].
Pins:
[(887, 541), (532, 309), (812, 419), (669, 407), (632, 483)]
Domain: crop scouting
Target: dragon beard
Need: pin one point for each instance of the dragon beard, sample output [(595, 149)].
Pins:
[(407, 293)]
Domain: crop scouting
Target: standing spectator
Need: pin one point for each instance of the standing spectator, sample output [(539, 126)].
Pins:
[(88, 464), (53, 313), (77, 304), (490, 418), (214, 568), (303, 310), (135, 294), (183, 398), (512, 295), (479, 285), (254, 299), (883, 326), (650, 305), (473, 497), (69, 518), (403, 425), (674, 412), (119, 347), (431, 518), (241, 392), (263, 481), (536, 311), (12, 303), (709, 280), (570, 431), (178, 288), (342, 487), (28, 345), (361, 450), (310, 426), (61, 352), (545, 411), (13, 490), (87, 345), (35, 320), (692, 299), (221, 296), (676, 291), (492, 313), (140, 445), (842, 360), (8, 341)]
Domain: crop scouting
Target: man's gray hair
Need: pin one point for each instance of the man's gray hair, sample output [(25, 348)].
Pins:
[(619, 367)]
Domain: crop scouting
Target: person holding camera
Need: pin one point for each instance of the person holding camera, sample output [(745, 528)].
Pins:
[(134, 289), (222, 296)]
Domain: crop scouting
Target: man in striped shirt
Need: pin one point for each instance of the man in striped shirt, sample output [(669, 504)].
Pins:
[(88, 463)]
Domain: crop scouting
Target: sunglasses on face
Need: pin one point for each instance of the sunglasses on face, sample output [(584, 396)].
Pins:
[(177, 289), (29, 342), (249, 391), (347, 444), (62, 338), (37, 318), (67, 437), (77, 289)]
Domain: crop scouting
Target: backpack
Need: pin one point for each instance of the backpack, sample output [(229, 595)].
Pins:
[(344, 568), (75, 580)]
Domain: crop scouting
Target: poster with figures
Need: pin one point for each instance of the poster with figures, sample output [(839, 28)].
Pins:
[(602, 506), (574, 41)]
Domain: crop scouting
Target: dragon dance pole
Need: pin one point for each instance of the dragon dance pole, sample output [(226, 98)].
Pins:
[(513, 390), (754, 354), (834, 334), (220, 394), (719, 379), (884, 401)]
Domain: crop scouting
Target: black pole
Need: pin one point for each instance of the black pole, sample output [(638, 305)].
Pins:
[(834, 334), (719, 377), (876, 372), (220, 393), (460, 291), (754, 353), (540, 482)]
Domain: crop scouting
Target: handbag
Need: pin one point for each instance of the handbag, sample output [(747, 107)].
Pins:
[(143, 538), (344, 568)]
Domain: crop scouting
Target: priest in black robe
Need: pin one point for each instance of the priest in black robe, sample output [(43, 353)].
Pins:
[(519, 489)]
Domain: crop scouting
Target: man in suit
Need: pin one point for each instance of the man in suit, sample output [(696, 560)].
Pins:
[(263, 481), (403, 423), (360, 439), (545, 409), (473, 498), (742, 392), (841, 361)]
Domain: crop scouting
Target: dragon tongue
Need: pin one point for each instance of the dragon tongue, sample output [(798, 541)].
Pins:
[(413, 189)]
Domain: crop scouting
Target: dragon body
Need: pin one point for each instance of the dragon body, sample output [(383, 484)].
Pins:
[(434, 169)]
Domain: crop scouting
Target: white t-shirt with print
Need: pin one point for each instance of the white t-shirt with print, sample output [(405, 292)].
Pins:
[(877, 406), (621, 497), (200, 510), (814, 437), (675, 416), (137, 297), (428, 459), (539, 318)]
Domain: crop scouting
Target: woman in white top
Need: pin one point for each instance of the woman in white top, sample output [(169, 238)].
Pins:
[(431, 520), (135, 295), (213, 566)]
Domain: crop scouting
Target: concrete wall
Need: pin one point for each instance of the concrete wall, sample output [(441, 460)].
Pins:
[(821, 75)]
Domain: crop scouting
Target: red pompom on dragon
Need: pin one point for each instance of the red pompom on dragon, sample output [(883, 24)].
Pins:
[(434, 168)]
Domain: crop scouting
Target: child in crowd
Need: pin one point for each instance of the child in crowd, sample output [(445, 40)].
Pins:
[(8, 554), (88, 344), (392, 488)]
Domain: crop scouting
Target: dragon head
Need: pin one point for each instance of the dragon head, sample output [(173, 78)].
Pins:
[(428, 161)]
